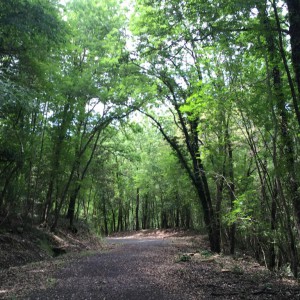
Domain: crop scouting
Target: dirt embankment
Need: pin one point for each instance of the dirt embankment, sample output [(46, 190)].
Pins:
[(29, 255)]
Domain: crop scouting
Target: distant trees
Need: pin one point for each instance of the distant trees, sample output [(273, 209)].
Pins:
[(144, 184)]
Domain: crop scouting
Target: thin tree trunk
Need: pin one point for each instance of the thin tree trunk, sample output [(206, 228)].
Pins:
[(145, 213), (231, 187), (40, 156), (6, 184), (56, 162), (295, 56), (113, 220), (105, 216), (77, 188), (120, 217), (272, 253), (137, 208), (294, 19)]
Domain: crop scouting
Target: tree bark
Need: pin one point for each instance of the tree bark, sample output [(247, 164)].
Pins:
[(120, 226), (56, 162), (104, 211), (145, 213), (210, 217), (231, 186), (74, 195), (137, 208), (294, 19)]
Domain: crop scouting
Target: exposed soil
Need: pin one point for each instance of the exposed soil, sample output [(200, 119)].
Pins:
[(148, 265), (22, 245), (30, 255)]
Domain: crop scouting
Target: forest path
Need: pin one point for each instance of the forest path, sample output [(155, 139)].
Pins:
[(137, 268), (147, 267)]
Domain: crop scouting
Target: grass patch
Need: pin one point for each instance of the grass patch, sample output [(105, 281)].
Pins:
[(183, 258), (206, 253), (45, 245), (237, 270), (51, 282)]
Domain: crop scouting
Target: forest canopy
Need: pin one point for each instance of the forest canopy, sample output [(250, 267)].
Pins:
[(154, 114)]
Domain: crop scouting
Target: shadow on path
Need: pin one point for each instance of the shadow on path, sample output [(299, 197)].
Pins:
[(146, 268), (125, 272)]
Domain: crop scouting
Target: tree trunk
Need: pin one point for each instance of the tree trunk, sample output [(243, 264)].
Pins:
[(231, 187), (294, 19), (104, 211), (40, 156), (271, 41), (120, 217), (187, 215), (288, 149), (145, 213), (72, 203), (272, 253), (177, 218), (56, 162), (113, 220), (137, 208), (7, 184), (200, 180), (79, 179), (197, 174), (212, 225)]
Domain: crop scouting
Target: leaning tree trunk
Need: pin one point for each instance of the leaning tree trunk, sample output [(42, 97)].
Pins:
[(211, 219), (196, 173), (77, 162)]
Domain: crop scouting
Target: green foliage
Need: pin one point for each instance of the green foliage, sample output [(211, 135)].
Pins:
[(46, 246), (51, 281), (203, 71), (206, 253), (29, 30), (236, 269), (184, 258), (243, 212)]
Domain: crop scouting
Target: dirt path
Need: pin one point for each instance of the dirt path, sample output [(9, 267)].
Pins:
[(135, 269), (150, 268)]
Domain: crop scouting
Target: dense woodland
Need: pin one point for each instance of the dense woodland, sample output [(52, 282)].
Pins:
[(154, 114)]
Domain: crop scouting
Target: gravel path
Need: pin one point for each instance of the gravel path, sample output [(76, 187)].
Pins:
[(145, 268), (136, 269)]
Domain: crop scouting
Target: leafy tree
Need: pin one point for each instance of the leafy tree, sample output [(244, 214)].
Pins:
[(25, 28)]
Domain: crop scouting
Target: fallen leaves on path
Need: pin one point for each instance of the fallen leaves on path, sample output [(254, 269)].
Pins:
[(152, 264)]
